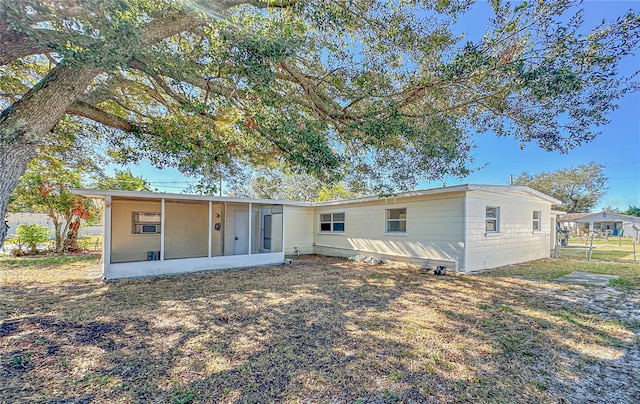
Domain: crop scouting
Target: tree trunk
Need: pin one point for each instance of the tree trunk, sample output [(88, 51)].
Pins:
[(13, 162), (24, 124), (63, 234), (56, 228), (71, 241)]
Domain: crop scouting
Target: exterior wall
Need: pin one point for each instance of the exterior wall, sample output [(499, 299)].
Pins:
[(180, 266), (217, 223), (126, 246), (186, 229), (298, 229), (434, 235), (516, 241)]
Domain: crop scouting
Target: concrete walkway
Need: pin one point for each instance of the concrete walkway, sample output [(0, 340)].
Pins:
[(587, 278)]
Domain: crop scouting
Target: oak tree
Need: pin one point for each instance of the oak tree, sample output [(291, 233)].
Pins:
[(579, 188), (383, 90)]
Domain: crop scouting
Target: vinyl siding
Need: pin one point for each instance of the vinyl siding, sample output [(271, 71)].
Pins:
[(516, 241), (298, 222), (434, 229), (126, 246)]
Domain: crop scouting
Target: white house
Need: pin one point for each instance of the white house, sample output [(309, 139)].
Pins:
[(613, 224), (465, 227)]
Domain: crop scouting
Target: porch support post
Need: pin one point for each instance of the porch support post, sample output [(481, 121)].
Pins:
[(106, 238), (162, 221), (210, 220), (249, 228), (283, 227)]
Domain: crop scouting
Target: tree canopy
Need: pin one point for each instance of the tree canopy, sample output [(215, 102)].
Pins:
[(381, 90), (279, 184), (579, 188), (632, 211), (123, 180)]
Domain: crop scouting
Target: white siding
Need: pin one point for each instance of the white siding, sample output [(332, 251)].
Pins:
[(516, 241), (434, 230), (298, 229)]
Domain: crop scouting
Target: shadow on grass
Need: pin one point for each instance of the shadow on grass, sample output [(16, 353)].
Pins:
[(321, 330)]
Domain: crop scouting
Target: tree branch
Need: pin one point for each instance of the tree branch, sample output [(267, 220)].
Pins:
[(85, 110)]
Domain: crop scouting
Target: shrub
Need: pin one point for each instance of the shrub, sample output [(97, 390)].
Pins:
[(32, 234)]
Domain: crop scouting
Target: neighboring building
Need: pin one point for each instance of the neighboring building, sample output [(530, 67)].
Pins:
[(16, 219), (612, 224), (466, 227)]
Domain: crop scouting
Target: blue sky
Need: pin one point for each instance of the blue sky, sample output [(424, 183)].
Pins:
[(618, 146)]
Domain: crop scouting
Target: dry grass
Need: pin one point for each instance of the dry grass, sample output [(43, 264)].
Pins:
[(320, 330)]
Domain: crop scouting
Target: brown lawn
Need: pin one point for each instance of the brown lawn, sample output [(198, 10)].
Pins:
[(320, 330)]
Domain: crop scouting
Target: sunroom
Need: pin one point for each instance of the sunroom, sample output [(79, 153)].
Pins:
[(147, 234)]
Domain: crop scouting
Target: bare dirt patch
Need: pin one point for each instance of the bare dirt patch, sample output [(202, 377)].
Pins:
[(320, 330)]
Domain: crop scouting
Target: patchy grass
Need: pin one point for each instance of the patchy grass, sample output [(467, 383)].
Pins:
[(48, 268), (611, 240), (320, 330), (549, 269), (612, 249)]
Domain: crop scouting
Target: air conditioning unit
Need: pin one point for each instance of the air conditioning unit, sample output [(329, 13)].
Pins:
[(147, 228)]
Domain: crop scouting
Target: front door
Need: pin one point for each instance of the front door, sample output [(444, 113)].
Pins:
[(241, 230)]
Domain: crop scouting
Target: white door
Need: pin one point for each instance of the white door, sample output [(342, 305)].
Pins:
[(241, 236)]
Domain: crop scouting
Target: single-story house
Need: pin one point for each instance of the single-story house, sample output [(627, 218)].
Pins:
[(613, 224), (464, 227)]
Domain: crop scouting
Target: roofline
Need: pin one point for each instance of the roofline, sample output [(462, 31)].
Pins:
[(613, 215), (102, 193), (445, 190)]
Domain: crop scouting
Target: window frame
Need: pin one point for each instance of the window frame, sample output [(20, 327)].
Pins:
[(536, 221), (388, 219), (495, 219), (332, 222), (137, 224)]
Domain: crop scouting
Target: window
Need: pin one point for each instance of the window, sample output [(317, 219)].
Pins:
[(396, 220), (145, 223), (537, 214), (332, 222), (492, 221)]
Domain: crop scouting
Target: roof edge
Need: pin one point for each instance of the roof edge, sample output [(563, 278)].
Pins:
[(444, 190), (102, 193)]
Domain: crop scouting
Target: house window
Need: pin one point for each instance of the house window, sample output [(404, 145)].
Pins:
[(492, 221), (537, 214), (332, 222), (145, 223), (396, 220)]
